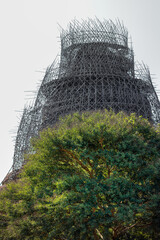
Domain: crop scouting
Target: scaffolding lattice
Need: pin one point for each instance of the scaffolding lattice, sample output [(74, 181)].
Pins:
[(96, 70)]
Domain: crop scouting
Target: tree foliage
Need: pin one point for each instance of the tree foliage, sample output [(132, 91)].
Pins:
[(92, 176)]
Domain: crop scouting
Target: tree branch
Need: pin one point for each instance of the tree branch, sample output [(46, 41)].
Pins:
[(78, 161)]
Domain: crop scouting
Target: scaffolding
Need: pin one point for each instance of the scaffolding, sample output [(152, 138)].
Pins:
[(96, 70)]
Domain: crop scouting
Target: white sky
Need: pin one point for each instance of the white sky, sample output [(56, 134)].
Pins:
[(29, 42)]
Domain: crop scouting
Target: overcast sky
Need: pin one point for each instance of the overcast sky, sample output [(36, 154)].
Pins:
[(29, 42)]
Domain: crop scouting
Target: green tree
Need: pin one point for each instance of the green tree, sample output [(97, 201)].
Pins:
[(92, 176)]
